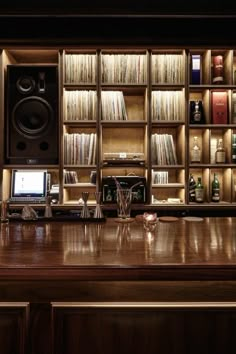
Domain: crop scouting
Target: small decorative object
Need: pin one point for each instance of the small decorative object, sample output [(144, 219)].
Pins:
[(149, 221), (85, 211), (28, 213), (48, 208), (98, 211)]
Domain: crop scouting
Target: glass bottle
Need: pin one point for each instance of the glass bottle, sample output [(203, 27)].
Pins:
[(199, 191), (234, 148), (196, 114), (196, 152), (220, 152), (215, 189), (192, 186)]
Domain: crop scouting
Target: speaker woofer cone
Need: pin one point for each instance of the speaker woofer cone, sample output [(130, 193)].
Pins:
[(32, 117)]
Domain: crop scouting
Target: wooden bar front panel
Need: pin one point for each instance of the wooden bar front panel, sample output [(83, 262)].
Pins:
[(133, 329)]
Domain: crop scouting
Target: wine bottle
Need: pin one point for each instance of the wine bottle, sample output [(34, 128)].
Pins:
[(220, 152), (234, 148), (192, 186), (196, 152), (199, 191), (215, 189)]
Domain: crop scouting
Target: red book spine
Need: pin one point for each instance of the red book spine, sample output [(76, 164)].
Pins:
[(219, 107), (218, 70)]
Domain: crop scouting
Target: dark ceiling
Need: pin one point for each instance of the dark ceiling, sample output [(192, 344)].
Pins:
[(147, 22), (118, 7)]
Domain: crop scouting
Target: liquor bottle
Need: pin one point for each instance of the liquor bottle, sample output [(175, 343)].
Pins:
[(220, 152), (215, 189), (196, 112), (218, 70), (192, 186), (196, 152), (199, 191), (234, 148)]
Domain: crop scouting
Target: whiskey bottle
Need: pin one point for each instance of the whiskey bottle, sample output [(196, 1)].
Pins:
[(199, 191), (192, 186), (196, 112), (196, 152), (220, 152), (215, 189), (234, 148)]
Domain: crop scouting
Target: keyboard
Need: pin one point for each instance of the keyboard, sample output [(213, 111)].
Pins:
[(27, 200)]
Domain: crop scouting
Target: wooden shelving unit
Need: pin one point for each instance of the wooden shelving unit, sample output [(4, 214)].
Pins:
[(129, 99)]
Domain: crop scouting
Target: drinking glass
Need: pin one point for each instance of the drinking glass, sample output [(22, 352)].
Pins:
[(124, 201)]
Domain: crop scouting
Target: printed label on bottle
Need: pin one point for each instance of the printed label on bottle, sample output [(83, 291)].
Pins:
[(195, 156), (199, 195), (215, 195), (220, 156)]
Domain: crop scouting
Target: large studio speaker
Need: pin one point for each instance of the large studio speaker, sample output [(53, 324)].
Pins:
[(32, 114)]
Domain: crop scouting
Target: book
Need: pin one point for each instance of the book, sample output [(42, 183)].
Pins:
[(195, 69), (219, 106), (217, 70)]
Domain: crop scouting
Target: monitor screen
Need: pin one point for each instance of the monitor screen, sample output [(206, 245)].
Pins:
[(27, 183)]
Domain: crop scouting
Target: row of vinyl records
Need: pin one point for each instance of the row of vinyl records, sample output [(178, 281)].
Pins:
[(163, 150), (82, 105), (80, 149), (132, 68), (165, 106), (124, 68)]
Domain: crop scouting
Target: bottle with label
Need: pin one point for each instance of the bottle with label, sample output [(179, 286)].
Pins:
[(192, 186), (234, 148), (215, 189), (220, 152), (196, 112), (196, 152), (199, 191)]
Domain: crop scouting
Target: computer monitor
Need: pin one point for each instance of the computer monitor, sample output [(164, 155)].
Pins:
[(29, 183)]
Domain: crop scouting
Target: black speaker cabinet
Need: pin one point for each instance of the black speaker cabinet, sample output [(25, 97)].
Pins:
[(32, 121)]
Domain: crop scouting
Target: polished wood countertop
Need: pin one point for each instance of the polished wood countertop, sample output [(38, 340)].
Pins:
[(180, 250)]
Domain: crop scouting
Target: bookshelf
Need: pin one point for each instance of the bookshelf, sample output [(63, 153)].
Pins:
[(117, 105)]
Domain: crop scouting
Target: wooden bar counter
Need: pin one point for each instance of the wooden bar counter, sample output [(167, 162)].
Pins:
[(107, 288)]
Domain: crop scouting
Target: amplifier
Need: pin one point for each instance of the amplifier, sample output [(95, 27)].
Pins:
[(109, 190)]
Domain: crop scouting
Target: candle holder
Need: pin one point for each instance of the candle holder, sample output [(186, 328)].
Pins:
[(85, 214), (149, 221), (98, 214)]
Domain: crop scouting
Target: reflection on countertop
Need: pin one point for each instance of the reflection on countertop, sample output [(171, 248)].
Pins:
[(209, 242)]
